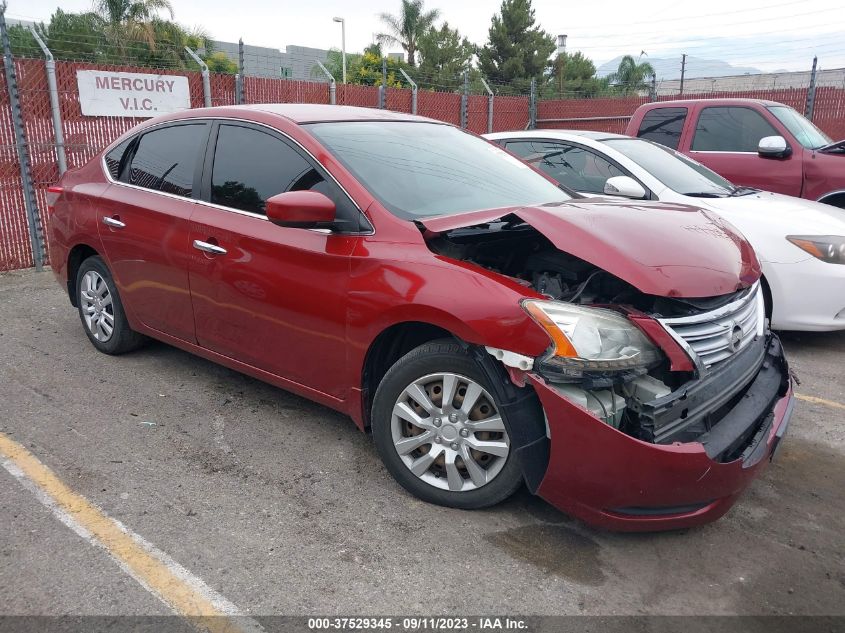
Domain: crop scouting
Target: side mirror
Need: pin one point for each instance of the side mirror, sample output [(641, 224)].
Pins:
[(625, 187), (773, 147), (301, 209)]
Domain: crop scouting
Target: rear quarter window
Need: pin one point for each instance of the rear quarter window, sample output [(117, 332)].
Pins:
[(664, 126), (114, 158)]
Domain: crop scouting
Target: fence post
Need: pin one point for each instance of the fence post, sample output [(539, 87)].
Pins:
[(465, 102), (653, 90), (58, 132), (206, 80), (239, 78), (382, 89), (413, 90), (332, 85), (489, 106), (36, 235), (811, 92), (532, 105)]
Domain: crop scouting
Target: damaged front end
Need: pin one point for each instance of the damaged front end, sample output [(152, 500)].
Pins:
[(664, 376)]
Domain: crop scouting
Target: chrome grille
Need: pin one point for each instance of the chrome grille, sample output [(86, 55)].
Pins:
[(713, 337)]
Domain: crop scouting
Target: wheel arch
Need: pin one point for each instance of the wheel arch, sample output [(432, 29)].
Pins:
[(76, 256), (391, 344), (834, 198), (524, 415)]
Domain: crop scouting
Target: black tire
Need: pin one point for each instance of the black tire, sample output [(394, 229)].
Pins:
[(122, 338), (444, 355)]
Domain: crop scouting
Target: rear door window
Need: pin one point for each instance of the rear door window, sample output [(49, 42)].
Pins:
[(571, 165), (664, 126), (166, 159), (730, 129)]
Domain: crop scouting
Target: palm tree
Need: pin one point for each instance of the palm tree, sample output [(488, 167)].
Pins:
[(631, 76), (132, 19), (407, 27)]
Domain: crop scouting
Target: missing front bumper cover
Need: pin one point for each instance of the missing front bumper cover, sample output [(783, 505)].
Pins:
[(727, 411)]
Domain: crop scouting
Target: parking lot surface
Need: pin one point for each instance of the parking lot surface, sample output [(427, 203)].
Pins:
[(282, 506)]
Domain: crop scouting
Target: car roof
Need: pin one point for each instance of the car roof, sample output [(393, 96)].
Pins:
[(559, 134), (722, 101), (309, 112)]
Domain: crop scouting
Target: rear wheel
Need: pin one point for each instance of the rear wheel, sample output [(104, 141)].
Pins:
[(101, 310), (440, 432)]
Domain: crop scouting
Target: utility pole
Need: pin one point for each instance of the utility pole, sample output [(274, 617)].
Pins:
[(36, 234), (811, 92), (683, 71)]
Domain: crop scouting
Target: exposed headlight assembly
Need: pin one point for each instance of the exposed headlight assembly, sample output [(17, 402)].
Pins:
[(590, 340), (828, 248)]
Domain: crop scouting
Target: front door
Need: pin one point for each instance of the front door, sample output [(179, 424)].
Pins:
[(725, 139), (270, 296)]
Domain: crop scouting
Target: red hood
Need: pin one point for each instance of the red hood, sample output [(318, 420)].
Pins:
[(661, 249)]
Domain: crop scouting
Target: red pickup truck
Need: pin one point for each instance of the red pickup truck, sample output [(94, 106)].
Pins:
[(751, 142)]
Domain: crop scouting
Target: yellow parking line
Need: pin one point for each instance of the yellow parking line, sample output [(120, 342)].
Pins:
[(814, 400), (186, 594)]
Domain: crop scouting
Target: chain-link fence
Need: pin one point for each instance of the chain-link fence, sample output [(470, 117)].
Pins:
[(466, 101)]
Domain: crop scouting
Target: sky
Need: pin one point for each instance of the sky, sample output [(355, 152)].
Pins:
[(771, 36)]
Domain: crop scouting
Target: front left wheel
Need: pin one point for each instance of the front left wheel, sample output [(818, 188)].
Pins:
[(101, 310), (440, 431)]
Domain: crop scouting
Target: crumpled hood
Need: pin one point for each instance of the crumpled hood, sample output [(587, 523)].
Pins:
[(670, 250)]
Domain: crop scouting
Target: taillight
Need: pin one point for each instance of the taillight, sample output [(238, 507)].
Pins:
[(53, 194)]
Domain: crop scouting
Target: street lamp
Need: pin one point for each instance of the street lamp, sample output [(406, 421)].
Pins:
[(342, 43)]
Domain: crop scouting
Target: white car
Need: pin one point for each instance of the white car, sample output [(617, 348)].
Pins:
[(800, 243)]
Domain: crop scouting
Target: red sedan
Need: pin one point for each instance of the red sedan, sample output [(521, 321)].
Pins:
[(488, 327)]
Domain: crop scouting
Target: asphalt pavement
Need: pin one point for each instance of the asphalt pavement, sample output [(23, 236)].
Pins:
[(281, 506)]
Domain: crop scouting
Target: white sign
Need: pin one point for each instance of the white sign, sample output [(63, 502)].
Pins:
[(131, 94)]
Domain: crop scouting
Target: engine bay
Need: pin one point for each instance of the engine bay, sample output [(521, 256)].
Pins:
[(515, 249)]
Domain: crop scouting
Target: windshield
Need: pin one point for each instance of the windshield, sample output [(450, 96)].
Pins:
[(804, 132), (425, 169), (674, 170)]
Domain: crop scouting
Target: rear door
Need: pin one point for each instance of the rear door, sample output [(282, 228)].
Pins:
[(144, 226), (725, 139), (269, 296)]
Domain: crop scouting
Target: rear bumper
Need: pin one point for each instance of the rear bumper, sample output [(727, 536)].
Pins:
[(612, 480)]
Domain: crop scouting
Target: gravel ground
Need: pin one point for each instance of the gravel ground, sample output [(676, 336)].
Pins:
[(283, 507)]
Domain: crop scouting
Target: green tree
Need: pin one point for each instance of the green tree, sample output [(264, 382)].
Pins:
[(408, 27), (573, 74), (219, 62), (516, 50), (444, 56), (133, 20), (631, 76)]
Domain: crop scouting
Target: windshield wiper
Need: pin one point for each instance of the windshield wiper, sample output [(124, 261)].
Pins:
[(743, 191), (704, 194)]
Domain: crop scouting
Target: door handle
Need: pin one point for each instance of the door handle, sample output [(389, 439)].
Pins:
[(114, 223), (205, 247)]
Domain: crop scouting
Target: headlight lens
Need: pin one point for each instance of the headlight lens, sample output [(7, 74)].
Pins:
[(591, 339), (828, 248)]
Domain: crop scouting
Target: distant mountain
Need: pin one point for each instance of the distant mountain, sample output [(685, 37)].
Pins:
[(670, 68)]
